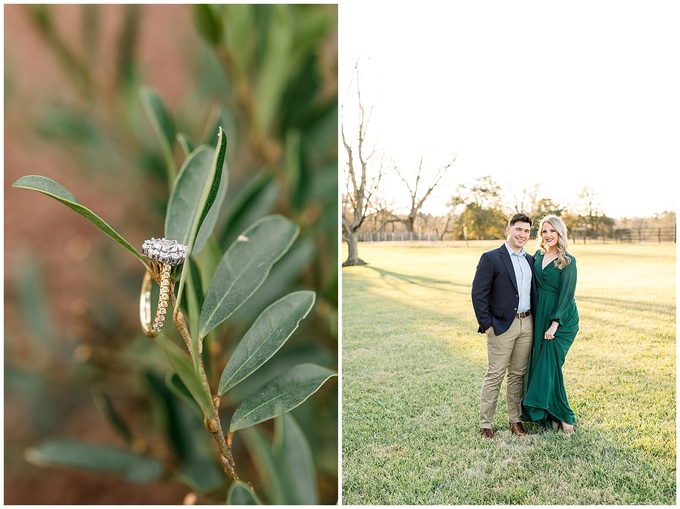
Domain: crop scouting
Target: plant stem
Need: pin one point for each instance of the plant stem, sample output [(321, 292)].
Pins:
[(212, 422), (78, 70), (181, 325)]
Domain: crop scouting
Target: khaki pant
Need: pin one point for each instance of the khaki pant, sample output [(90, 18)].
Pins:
[(508, 352)]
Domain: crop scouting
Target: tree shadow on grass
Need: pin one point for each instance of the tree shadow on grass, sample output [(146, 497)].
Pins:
[(625, 305), (440, 417), (426, 282), (406, 378)]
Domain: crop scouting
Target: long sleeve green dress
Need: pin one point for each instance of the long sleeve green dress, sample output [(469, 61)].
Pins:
[(545, 398)]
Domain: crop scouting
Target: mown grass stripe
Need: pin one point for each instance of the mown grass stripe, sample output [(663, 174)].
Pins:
[(412, 372)]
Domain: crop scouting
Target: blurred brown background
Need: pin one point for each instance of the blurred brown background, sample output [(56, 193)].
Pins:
[(71, 294)]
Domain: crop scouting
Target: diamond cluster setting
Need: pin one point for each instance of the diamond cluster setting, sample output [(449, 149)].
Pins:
[(165, 250)]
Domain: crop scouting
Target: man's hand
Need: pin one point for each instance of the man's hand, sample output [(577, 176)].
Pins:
[(489, 329)]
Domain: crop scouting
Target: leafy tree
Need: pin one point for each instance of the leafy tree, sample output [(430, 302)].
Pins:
[(482, 224), (483, 216)]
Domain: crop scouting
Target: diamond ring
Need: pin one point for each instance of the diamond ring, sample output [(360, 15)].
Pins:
[(163, 255)]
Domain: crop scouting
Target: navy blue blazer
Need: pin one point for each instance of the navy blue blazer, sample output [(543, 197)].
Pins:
[(495, 296)]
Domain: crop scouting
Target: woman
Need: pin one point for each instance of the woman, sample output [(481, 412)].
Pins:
[(555, 327)]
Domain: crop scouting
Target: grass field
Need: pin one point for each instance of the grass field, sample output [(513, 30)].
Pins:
[(412, 368)]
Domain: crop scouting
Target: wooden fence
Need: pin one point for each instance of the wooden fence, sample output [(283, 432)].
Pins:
[(619, 235)]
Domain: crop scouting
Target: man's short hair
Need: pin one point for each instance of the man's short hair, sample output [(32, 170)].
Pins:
[(520, 217)]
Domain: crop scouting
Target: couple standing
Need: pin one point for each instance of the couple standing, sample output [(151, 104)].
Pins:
[(525, 305)]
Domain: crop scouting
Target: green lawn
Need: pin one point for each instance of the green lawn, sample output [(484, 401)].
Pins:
[(412, 368)]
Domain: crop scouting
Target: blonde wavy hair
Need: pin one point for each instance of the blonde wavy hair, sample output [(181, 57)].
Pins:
[(556, 222)]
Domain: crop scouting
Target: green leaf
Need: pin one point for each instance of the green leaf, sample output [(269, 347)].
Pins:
[(286, 467), (260, 450), (276, 65), (184, 368), (265, 337), (283, 361), (294, 462), (295, 167), (127, 77), (281, 394), (163, 124), (72, 126), (240, 33), (105, 405), (185, 433), (185, 143), (181, 211), (208, 259), (254, 201), (186, 195), (171, 412), (208, 22), (242, 494), (50, 188), (134, 467), (33, 299), (244, 267), (43, 16), (201, 472), (194, 299), (282, 277), (200, 209), (175, 385)]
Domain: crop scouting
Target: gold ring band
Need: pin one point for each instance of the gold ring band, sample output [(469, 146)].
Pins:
[(162, 255), (153, 329)]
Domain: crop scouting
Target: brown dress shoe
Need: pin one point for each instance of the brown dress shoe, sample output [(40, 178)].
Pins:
[(487, 433), (517, 429)]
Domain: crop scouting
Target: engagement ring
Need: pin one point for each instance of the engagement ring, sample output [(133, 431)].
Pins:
[(163, 255)]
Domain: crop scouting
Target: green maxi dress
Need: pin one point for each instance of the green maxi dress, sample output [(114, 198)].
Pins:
[(545, 397)]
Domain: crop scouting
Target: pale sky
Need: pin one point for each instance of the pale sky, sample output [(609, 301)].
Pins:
[(561, 94)]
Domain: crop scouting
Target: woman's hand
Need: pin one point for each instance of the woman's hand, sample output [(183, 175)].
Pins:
[(550, 333)]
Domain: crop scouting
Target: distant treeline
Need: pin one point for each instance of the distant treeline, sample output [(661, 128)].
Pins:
[(658, 228)]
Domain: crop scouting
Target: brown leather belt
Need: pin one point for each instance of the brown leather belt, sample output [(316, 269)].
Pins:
[(523, 315)]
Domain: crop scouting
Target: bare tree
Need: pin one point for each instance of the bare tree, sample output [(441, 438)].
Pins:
[(528, 199), (381, 215), (448, 227), (359, 190), (417, 203)]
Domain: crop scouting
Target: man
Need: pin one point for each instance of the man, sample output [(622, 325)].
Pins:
[(503, 293)]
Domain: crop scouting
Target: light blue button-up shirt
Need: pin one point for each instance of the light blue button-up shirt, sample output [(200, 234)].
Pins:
[(523, 277)]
